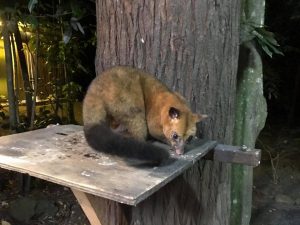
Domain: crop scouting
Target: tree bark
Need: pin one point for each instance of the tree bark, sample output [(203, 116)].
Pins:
[(27, 87), (193, 48), (10, 78), (251, 113)]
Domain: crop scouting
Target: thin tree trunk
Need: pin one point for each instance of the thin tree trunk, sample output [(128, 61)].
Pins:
[(193, 48), (35, 74), (10, 79), (251, 113), (70, 105), (15, 77), (25, 76)]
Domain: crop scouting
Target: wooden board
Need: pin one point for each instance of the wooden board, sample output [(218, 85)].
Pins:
[(60, 154), (236, 154)]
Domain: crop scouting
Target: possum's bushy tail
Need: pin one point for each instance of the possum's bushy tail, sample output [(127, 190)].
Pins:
[(103, 139)]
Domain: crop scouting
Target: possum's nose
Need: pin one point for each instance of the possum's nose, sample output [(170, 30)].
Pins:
[(179, 147)]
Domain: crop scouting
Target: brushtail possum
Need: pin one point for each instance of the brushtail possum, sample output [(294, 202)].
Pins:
[(124, 106)]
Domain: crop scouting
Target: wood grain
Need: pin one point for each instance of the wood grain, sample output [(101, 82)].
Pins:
[(193, 47), (87, 207), (60, 154), (235, 154)]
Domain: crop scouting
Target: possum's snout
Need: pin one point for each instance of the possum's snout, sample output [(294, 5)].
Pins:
[(179, 147)]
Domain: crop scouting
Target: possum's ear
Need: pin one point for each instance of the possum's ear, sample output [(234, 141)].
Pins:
[(174, 113), (198, 117)]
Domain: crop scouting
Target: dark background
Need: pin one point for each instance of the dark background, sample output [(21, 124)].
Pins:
[(282, 73)]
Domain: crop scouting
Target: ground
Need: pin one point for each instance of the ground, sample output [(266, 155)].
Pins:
[(276, 190), (44, 204)]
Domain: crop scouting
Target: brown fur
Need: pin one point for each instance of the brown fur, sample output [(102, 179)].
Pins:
[(135, 104)]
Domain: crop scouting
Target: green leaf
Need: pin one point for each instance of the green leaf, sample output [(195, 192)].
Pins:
[(267, 35), (73, 22), (265, 48), (276, 50), (31, 20), (80, 66), (80, 27), (77, 9), (31, 4), (267, 41), (76, 25)]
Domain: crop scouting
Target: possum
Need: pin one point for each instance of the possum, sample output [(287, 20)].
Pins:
[(125, 106)]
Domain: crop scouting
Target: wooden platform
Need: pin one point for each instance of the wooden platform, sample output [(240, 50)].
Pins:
[(60, 154)]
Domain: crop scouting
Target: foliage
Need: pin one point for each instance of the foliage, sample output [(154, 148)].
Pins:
[(2, 112), (265, 39), (31, 4), (272, 83), (61, 35), (46, 117), (283, 19), (278, 39), (63, 39), (71, 91)]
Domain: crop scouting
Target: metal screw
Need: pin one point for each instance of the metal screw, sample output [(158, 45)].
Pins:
[(244, 148)]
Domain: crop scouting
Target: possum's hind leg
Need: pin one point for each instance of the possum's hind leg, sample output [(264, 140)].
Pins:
[(122, 133), (140, 149), (136, 126)]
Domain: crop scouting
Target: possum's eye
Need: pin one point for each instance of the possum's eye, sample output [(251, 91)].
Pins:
[(174, 113), (174, 136)]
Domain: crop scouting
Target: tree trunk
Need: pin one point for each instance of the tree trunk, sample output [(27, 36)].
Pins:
[(193, 48), (251, 113), (27, 87), (10, 79)]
